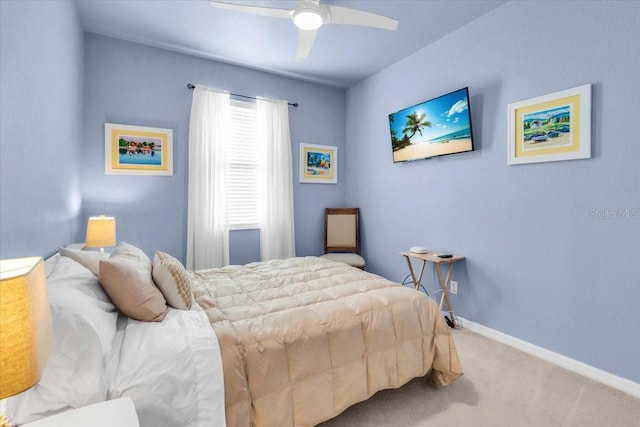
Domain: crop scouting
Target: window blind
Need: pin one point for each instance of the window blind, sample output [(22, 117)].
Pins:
[(243, 193)]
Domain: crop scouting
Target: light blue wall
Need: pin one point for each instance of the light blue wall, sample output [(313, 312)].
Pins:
[(41, 82), (540, 266), (132, 84)]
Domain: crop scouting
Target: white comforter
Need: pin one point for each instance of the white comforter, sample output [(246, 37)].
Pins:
[(172, 370)]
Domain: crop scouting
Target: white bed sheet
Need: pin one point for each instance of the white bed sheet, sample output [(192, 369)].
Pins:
[(172, 370)]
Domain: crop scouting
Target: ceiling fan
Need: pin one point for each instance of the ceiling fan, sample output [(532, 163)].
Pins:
[(309, 15)]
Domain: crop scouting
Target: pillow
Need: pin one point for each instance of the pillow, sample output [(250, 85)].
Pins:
[(84, 325), (126, 277), (50, 264), (88, 259), (171, 278), (132, 253)]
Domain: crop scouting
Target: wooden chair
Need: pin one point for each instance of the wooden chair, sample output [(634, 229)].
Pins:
[(342, 236)]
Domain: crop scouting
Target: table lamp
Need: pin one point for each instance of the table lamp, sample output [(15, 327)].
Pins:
[(101, 232), (25, 324)]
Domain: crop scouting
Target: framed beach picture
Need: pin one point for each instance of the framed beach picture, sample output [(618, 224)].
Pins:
[(137, 150), (318, 164), (552, 127)]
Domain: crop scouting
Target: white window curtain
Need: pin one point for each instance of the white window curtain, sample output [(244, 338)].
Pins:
[(207, 223), (277, 239)]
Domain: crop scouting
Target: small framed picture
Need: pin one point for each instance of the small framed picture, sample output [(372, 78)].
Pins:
[(137, 150), (550, 128), (318, 164)]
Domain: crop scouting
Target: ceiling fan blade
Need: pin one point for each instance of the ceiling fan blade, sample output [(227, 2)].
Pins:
[(255, 10), (345, 15), (305, 42)]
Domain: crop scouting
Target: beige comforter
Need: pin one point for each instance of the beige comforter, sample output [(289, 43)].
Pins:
[(302, 339)]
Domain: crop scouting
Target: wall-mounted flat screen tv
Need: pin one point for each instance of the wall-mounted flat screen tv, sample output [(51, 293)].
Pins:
[(432, 128)]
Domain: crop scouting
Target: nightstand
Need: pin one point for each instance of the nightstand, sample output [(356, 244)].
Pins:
[(117, 412)]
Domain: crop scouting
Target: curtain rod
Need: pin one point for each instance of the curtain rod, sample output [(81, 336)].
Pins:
[(191, 87)]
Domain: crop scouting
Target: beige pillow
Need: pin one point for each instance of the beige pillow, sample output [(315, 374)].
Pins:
[(171, 278), (132, 253), (88, 259), (126, 278)]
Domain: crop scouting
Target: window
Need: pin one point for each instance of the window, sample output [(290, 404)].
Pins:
[(243, 194)]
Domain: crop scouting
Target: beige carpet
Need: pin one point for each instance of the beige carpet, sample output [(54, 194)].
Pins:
[(501, 387)]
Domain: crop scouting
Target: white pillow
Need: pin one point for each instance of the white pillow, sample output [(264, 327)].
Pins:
[(88, 259), (50, 264), (84, 325)]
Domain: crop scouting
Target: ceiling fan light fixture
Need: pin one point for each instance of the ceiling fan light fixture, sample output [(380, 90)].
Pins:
[(307, 19)]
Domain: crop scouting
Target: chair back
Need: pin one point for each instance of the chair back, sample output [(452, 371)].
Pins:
[(342, 230)]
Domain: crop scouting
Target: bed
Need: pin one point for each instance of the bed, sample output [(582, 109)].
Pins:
[(293, 330), (257, 346)]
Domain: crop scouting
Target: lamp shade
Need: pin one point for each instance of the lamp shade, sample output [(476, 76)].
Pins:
[(25, 324), (101, 232)]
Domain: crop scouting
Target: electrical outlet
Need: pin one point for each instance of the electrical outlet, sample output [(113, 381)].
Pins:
[(453, 287)]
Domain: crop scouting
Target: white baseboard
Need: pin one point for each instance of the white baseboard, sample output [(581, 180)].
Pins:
[(565, 362)]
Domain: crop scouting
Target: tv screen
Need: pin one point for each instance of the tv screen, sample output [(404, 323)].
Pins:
[(432, 128)]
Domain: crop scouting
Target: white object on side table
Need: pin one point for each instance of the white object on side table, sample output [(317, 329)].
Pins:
[(419, 250), (111, 413)]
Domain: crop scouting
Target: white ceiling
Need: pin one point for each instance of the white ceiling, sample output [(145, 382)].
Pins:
[(341, 56)]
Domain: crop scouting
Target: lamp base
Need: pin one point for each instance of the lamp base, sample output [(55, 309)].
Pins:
[(4, 422)]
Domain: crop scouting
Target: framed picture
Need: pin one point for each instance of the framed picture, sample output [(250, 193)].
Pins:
[(318, 164), (137, 150), (551, 127)]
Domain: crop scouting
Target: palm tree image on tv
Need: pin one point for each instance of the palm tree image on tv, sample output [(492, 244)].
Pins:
[(433, 128), (415, 123), (396, 143)]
